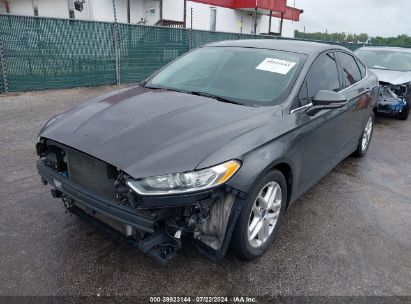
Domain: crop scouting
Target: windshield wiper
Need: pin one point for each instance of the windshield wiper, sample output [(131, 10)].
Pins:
[(216, 97)]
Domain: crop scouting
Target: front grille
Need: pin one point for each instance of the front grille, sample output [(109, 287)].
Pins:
[(91, 173)]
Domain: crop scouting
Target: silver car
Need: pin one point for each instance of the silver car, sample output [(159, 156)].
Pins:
[(392, 65)]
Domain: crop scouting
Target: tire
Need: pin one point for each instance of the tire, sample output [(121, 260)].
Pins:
[(362, 147), (403, 115), (242, 242)]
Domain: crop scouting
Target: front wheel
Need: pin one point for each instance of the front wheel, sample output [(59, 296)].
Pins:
[(365, 139), (261, 216)]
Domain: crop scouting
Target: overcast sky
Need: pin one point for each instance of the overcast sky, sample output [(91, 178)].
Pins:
[(374, 17)]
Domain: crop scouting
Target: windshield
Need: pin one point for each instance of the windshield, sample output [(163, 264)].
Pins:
[(386, 60), (244, 75)]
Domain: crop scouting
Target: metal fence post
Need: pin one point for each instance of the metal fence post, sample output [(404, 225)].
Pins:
[(3, 65), (190, 39), (116, 36), (117, 51), (190, 31)]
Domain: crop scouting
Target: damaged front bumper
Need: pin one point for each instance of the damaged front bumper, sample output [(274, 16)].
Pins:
[(156, 225), (391, 99)]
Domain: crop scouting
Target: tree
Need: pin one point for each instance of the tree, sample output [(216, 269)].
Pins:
[(401, 40), (363, 37)]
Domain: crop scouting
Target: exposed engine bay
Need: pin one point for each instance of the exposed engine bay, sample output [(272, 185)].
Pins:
[(97, 192)]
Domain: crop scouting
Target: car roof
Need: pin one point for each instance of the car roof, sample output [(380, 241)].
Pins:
[(296, 46), (385, 48)]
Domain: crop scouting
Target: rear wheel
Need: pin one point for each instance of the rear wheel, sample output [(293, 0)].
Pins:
[(261, 217), (365, 139)]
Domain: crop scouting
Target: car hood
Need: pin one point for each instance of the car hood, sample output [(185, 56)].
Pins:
[(152, 132), (392, 77)]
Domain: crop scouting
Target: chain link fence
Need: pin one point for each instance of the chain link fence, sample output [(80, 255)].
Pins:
[(144, 49), (46, 53)]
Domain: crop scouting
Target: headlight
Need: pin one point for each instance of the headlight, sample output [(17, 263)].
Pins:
[(185, 182)]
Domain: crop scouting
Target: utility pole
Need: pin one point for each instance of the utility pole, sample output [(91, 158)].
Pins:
[(185, 14), (255, 21), (128, 11), (281, 24), (191, 18), (269, 23), (114, 11)]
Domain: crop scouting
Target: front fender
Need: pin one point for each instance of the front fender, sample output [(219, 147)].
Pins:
[(259, 162)]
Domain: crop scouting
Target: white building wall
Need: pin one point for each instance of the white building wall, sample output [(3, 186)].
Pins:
[(53, 8), (288, 26), (87, 13), (18, 7), (227, 20), (46, 8), (140, 11), (103, 10), (137, 11), (149, 17), (173, 10)]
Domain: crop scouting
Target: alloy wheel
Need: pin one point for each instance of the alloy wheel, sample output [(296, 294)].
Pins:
[(366, 137), (264, 214)]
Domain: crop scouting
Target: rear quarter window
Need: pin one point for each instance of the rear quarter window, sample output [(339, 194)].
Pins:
[(362, 67)]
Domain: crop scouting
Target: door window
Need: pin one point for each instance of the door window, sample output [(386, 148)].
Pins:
[(323, 75), (350, 69)]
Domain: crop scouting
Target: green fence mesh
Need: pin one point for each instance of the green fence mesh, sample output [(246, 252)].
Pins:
[(199, 38), (56, 53), (145, 49), (202, 37), (44, 53)]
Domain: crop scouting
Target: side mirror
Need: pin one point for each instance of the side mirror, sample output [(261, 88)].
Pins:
[(325, 100)]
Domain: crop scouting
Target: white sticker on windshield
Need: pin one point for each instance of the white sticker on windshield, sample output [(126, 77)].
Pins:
[(274, 65)]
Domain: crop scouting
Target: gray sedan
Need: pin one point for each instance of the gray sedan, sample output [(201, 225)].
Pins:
[(214, 147)]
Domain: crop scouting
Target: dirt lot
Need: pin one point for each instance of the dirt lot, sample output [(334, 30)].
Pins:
[(349, 235)]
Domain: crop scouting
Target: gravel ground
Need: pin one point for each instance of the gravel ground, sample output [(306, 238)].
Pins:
[(349, 235)]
